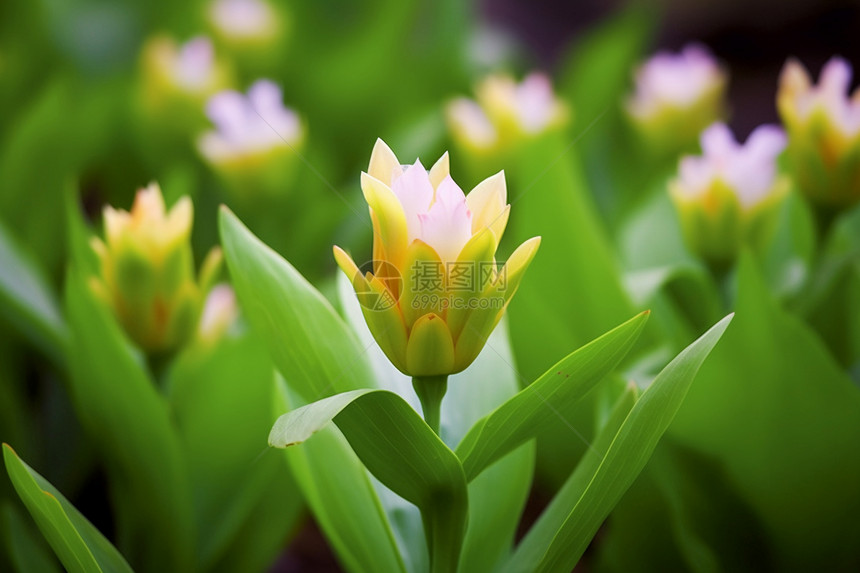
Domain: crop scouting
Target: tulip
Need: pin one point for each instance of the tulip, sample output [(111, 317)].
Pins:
[(823, 125), (147, 271), (676, 97), (505, 113), (729, 196), (434, 292), (255, 138)]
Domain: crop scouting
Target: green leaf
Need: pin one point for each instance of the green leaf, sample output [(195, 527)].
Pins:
[(624, 458), (338, 489), (532, 547), (401, 451), (309, 343), (79, 545), (318, 355), (774, 407), (229, 464), (552, 395), (125, 415), (25, 547), (27, 301)]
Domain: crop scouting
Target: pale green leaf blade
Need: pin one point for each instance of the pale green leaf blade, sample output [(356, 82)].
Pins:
[(27, 301), (78, 544), (308, 341), (129, 420), (401, 451), (338, 489), (626, 456), (562, 386)]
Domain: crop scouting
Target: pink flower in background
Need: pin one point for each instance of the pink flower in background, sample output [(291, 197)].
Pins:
[(505, 110), (244, 19), (675, 80), (799, 97), (748, 169), (249, 124)]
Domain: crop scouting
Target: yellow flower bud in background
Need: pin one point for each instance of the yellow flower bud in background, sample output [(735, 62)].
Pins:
[(253, 146), (252, 30), (179, 79), (676, 96), (504, 113), (147, 270), (823, 125), (433, 293), (728, 197)]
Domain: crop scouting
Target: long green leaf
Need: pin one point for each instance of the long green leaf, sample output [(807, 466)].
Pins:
[(776, 410), (27, 301), (318, 355), (309, 343), (79, 545), (552, 395), (401, 451), (338, 488), (124, 413), (624, 459), (231, 381), (531, 548)]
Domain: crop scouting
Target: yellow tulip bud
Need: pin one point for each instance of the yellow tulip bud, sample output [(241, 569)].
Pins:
[(147, 270), (434, 292)]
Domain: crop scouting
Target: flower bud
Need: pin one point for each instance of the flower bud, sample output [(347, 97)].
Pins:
[(252, 30), (433, 293), (505, 113), (728, 197), (179, 79), (823, 125), (147, 270), (676, 96), (255, 139), (219, 313)]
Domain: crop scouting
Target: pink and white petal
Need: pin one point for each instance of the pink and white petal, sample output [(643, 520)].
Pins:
[(415, 192)]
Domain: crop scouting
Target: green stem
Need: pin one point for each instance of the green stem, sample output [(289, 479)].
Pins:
[(431, 390)]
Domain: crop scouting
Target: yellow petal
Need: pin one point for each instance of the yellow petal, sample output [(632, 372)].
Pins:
[(179, 220), (389, 214), (385, 322), (477, 329), (349, 268), (116, 222), (384, 164), (440, 170), (430, 350), (487, 202), (473, 270), (512, 273), (148, 204), (423, 284)]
